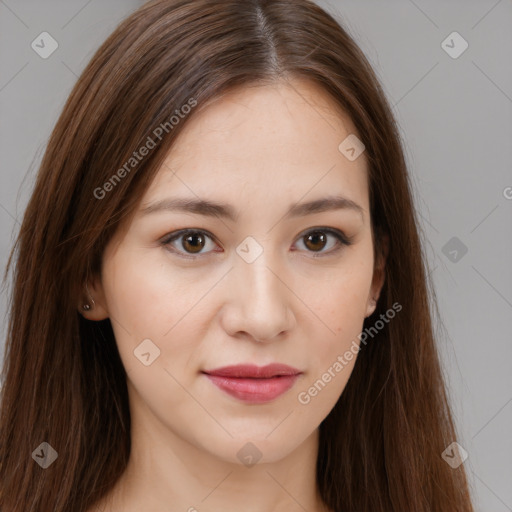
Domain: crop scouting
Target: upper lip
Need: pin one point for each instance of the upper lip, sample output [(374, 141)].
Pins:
[(253, 371)]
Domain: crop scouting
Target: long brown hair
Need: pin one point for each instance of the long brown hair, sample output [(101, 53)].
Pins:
[(64, 383)]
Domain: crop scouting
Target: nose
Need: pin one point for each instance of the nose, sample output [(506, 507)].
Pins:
[(259, 304)]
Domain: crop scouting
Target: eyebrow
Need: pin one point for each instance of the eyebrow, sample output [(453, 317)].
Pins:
[(223, 210)]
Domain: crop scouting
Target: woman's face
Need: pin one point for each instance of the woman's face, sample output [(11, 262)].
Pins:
[(266, 280)]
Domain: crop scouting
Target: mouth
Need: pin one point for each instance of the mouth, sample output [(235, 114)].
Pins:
[(254, 384)]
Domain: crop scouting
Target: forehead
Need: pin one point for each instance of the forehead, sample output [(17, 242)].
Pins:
[(264, 143)]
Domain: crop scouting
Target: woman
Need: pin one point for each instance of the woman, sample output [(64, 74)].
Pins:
[(219, 299)]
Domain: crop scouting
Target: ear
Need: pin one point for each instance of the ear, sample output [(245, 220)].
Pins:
[(93, 296), (379, 273)]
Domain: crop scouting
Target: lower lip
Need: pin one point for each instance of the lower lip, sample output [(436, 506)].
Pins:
[(254, 390)]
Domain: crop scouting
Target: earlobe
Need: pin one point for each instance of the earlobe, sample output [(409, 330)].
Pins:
[(91, 308), (372, 304)]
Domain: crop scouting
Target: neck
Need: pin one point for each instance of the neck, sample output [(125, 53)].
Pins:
[(167, 473)]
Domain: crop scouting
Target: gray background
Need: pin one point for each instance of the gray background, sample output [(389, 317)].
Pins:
[(456, 119)]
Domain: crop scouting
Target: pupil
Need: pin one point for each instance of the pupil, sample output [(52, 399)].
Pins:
[(317, 237)]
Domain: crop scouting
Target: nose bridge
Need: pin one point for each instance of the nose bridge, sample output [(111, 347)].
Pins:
[(262, 300), (261, 282)]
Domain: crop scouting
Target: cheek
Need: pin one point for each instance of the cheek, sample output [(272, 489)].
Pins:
[(333, 355), (145, 295), (340, 307), (341, 301), (134, 293), (147, 302)]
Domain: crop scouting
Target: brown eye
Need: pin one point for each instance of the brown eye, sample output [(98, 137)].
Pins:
[(189, 242), (193, 243), (316, 240)]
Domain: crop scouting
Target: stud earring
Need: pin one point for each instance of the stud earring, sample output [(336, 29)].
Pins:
[(87, 306)]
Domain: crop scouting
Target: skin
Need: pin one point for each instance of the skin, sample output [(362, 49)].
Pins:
[(259, 149)]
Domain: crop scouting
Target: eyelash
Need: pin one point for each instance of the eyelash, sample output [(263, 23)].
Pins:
[(342, 239)]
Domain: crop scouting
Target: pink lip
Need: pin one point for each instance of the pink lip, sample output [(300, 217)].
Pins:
[(254, 384)]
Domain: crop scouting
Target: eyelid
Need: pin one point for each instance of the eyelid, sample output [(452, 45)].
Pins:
[(342, 239)]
